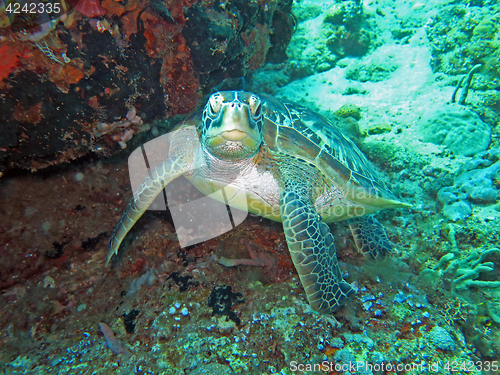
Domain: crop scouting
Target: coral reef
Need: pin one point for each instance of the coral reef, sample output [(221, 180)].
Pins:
[(462, 37), (94, 83), (238, 38), (465, 277), (463, 274), (101, 59), (173, 307), (349, 37), (341, 30)]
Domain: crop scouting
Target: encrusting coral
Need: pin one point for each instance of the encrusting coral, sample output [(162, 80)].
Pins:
[(349, 110)]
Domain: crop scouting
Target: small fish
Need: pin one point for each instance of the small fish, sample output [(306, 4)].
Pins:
[(112, 341)]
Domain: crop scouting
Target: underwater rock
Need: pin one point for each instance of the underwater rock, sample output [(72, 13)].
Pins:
[(239, 39), (478, 183), (457, 211), (441, 339), (86, 74), (341, 29), (350, 37), (456, 127), (474, 185)]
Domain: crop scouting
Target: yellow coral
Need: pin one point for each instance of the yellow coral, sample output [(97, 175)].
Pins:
[(349, 110)]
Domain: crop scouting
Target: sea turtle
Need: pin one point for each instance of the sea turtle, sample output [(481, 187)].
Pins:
[(295, 166)]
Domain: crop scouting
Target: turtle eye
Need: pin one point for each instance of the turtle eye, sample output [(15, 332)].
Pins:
[(215, 104), (255, 105)]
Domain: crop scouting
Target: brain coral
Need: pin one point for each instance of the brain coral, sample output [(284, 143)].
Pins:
[(456, 127)]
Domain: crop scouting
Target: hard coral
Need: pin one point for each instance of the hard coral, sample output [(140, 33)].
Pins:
[(441, 339), (349, 110), (462, 37), (349, 13), (350, 36), (456, 127)]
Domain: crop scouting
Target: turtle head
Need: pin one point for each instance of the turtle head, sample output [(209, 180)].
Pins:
[(231, 126)]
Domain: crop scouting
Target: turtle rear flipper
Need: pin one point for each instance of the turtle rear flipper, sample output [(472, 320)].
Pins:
[(370, 237), (313, 253)]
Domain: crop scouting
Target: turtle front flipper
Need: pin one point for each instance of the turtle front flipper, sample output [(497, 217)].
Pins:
[(313, 252), (149, 189), (370, 237)]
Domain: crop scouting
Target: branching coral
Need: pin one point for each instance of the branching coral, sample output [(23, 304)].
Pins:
[(463, 274)]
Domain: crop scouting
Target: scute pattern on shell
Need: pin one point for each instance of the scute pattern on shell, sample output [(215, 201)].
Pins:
[(313, 130)]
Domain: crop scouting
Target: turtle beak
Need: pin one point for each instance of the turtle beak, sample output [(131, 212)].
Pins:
[(234, 135), (232, 144)]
